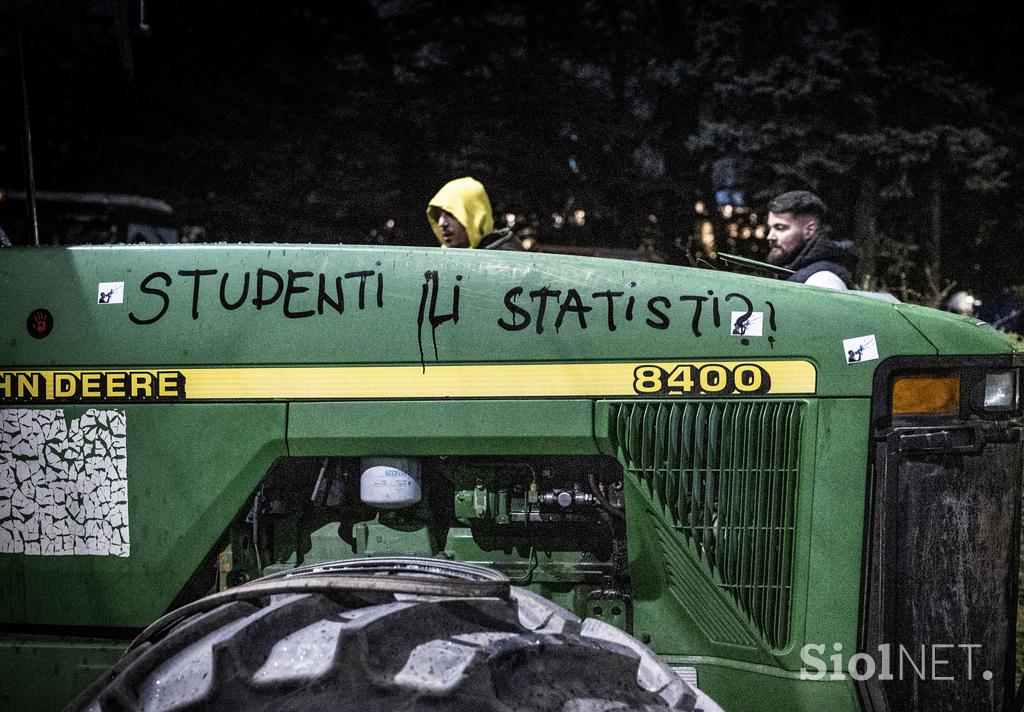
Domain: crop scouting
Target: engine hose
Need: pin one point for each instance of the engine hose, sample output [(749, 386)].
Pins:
[(620, 557), (257, 501), (528, 577), (602, 499)]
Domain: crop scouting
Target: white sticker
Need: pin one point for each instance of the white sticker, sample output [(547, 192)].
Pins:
[(753, 325), (862, 348), (110, 293), (63, 483)]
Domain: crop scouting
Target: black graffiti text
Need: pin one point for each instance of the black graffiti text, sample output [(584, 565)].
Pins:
[(298, 294), (564, 308)]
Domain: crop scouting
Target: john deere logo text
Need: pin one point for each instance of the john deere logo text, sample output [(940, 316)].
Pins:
[(90, 386)]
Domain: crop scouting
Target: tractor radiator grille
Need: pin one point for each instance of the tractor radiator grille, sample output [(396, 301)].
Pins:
[(725, 476)]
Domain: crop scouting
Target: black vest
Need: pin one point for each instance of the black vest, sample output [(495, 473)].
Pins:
[(823, 254)]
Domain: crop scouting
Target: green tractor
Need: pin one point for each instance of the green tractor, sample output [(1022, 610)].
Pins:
[(397, 478)]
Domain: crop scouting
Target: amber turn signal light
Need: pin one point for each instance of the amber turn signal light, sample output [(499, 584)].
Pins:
[(926, 395)]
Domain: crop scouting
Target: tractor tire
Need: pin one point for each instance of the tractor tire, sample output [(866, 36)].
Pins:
[(375, 649)]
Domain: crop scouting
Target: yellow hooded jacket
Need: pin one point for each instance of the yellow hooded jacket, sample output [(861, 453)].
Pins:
[(466, 199)]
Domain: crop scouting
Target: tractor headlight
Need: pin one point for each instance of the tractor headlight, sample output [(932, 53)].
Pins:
[(925, 389), (1000, 391)]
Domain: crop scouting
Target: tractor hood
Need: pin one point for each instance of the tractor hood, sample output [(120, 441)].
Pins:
[(423, 312)]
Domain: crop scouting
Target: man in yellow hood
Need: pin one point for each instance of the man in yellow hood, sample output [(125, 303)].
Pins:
[(460, 216)]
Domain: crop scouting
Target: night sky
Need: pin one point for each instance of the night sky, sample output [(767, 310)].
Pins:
[(328, 122)]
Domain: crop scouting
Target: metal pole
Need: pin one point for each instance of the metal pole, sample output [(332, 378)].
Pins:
[(30, 176)]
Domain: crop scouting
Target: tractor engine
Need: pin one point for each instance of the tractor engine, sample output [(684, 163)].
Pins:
[(552, 522)]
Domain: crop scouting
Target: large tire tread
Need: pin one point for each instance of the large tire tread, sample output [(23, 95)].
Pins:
[(428, 654), (375, 648)]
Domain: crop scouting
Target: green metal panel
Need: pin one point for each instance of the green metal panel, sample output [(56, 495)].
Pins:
[(375, 538), (66, 664), (834, 548), (450, 427), (188, 470), (713, 495), (745, 687), (805, 498), (952, 333)]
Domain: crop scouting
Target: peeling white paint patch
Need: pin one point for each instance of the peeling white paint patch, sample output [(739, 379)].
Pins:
[(63, 485)]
